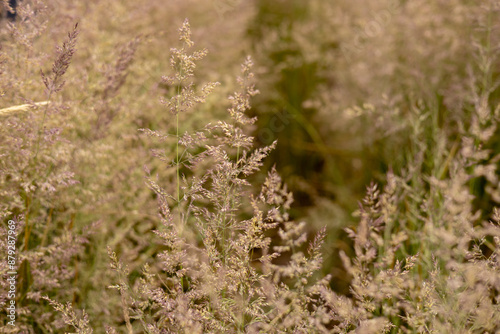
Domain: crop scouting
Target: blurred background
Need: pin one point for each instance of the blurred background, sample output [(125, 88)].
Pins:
[(340, 84)]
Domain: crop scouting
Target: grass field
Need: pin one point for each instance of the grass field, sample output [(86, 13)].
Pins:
[(230, 166)]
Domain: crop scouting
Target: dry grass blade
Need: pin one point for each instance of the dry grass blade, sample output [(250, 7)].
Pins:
[(21, 108)]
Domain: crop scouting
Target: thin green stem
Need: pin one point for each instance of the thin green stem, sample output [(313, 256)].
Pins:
[(37, 149), (177, 161), (39, 134)]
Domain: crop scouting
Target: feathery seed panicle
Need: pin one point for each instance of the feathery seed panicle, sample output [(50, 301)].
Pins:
[(54, 82), (184, 64), (115, 78)]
